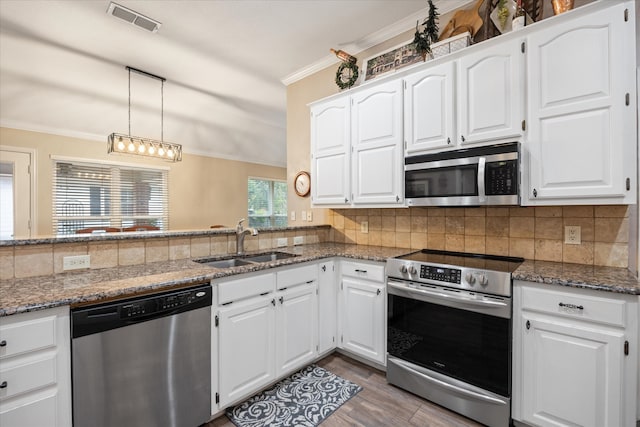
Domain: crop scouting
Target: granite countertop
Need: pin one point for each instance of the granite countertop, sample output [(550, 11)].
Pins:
[(92, 286), (609, 279)]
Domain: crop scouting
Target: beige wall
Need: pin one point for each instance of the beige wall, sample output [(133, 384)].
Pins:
[(203, 191)]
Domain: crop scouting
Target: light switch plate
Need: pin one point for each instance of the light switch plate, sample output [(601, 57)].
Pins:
[(364, 227), (77, 262), (309, 216), (572, 234), (303, 216), (293, 215)]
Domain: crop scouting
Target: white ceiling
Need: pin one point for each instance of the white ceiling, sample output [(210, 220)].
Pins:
[(62, 66)]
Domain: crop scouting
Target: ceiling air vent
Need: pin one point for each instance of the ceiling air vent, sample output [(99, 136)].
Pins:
[(133, 17)]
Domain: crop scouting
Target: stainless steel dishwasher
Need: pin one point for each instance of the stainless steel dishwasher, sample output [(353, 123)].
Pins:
[(143, 361)]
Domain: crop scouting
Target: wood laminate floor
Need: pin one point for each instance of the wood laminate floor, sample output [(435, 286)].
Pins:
[(379, 403)]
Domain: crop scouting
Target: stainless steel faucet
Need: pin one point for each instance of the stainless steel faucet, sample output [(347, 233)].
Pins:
[(240, 233)]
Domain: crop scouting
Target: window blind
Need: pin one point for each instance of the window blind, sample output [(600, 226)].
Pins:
[(94, 197), (267, 203)]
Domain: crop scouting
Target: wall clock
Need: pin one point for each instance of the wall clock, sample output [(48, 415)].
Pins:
[(302, 183)]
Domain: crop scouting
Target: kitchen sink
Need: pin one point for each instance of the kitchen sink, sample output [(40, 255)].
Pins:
[(241, 260), (226, 263), (272, 256)]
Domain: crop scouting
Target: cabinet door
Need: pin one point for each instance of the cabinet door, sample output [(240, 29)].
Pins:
[(327, 302), (490, 93), (330, 146), (376, 138), (582, 138), (297, 327), (571, 374), (246, 333), (429, 109), (363, 318)]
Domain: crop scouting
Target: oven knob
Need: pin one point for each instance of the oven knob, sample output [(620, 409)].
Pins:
[(412, 270), (483, 280), (403, 269), (470, 278)]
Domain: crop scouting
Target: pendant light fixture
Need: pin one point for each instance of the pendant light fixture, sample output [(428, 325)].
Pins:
[(128, 144)]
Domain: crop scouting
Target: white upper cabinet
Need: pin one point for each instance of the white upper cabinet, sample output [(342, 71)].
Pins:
[(581, 98), (429, 109), (330, 148), (491, 93), (376, 139)]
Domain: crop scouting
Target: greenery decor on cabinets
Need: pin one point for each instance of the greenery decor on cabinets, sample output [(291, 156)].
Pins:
[(429, 34), (347, 73)]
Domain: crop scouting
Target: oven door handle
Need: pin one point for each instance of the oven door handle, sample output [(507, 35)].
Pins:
[(457, 298), (452, 387)]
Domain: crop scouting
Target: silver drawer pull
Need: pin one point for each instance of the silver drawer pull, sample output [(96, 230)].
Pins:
[(3, 343), (577, 307), (3, 385), (361, 271)]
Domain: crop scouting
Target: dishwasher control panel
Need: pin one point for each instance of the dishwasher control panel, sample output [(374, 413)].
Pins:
[(160, 304)]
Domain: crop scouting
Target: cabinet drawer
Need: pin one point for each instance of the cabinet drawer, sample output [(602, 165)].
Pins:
[(40, 412), (363, 271), (575, 305), (296, 276), (28, 377), (24, 336), (234, 290)]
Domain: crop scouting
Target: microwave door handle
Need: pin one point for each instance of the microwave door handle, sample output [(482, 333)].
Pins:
[(482, 197)]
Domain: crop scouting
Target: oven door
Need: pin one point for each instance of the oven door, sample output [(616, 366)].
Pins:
[(462, 335)]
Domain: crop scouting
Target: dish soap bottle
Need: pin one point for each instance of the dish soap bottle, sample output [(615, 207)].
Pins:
[(518, 17)]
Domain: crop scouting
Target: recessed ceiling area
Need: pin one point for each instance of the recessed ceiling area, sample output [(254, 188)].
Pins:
[(62, 66)]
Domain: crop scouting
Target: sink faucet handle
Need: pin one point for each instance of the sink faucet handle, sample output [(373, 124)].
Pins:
[(239, 226)]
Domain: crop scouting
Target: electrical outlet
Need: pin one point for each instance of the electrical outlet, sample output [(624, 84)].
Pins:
[(293, 215), (309, 216), (298, 240), (76, 262), (281, 242), (364, 227), (572, 234)]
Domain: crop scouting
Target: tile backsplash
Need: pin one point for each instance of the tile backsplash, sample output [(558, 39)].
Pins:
[(529, 232), (44, 259)]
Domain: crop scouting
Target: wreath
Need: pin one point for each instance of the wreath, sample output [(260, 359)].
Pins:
[(342, 84)]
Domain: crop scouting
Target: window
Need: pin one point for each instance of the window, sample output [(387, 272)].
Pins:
[(108, 197), (267, 203)]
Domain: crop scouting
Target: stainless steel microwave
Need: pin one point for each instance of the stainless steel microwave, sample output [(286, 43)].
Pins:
[(479, 176)]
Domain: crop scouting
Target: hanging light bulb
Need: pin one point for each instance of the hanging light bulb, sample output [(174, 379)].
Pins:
[(152, 149), (141, 147), (170, 153), (131, 147), (120, 144), (161, 151)]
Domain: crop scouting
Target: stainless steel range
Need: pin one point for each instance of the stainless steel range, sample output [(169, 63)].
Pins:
[(449, 331)]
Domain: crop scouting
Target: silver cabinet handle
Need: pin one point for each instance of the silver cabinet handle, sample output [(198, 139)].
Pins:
[(573, 306), (4, 384), (462, 138), (361, 271), (3, 343)]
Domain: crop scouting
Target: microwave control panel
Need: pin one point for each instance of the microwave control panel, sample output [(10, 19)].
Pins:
[(501, 178)]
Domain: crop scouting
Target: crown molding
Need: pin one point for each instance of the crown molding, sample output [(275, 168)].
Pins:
[(374, 39)]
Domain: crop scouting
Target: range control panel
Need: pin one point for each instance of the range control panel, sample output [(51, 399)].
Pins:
[(449, 275)]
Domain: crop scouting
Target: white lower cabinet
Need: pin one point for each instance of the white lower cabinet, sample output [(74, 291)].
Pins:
[(246, 332), (327, 307), (267, 327), (35, 369), (362, 310), (575, 357), (296, 327)]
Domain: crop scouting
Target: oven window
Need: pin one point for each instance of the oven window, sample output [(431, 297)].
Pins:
[(465, 345), (442, 182)]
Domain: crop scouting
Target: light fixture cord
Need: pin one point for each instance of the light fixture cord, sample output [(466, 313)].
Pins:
[(129, 101), (162, 110)]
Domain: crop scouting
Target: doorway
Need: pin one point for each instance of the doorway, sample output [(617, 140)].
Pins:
[(16, 193)]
